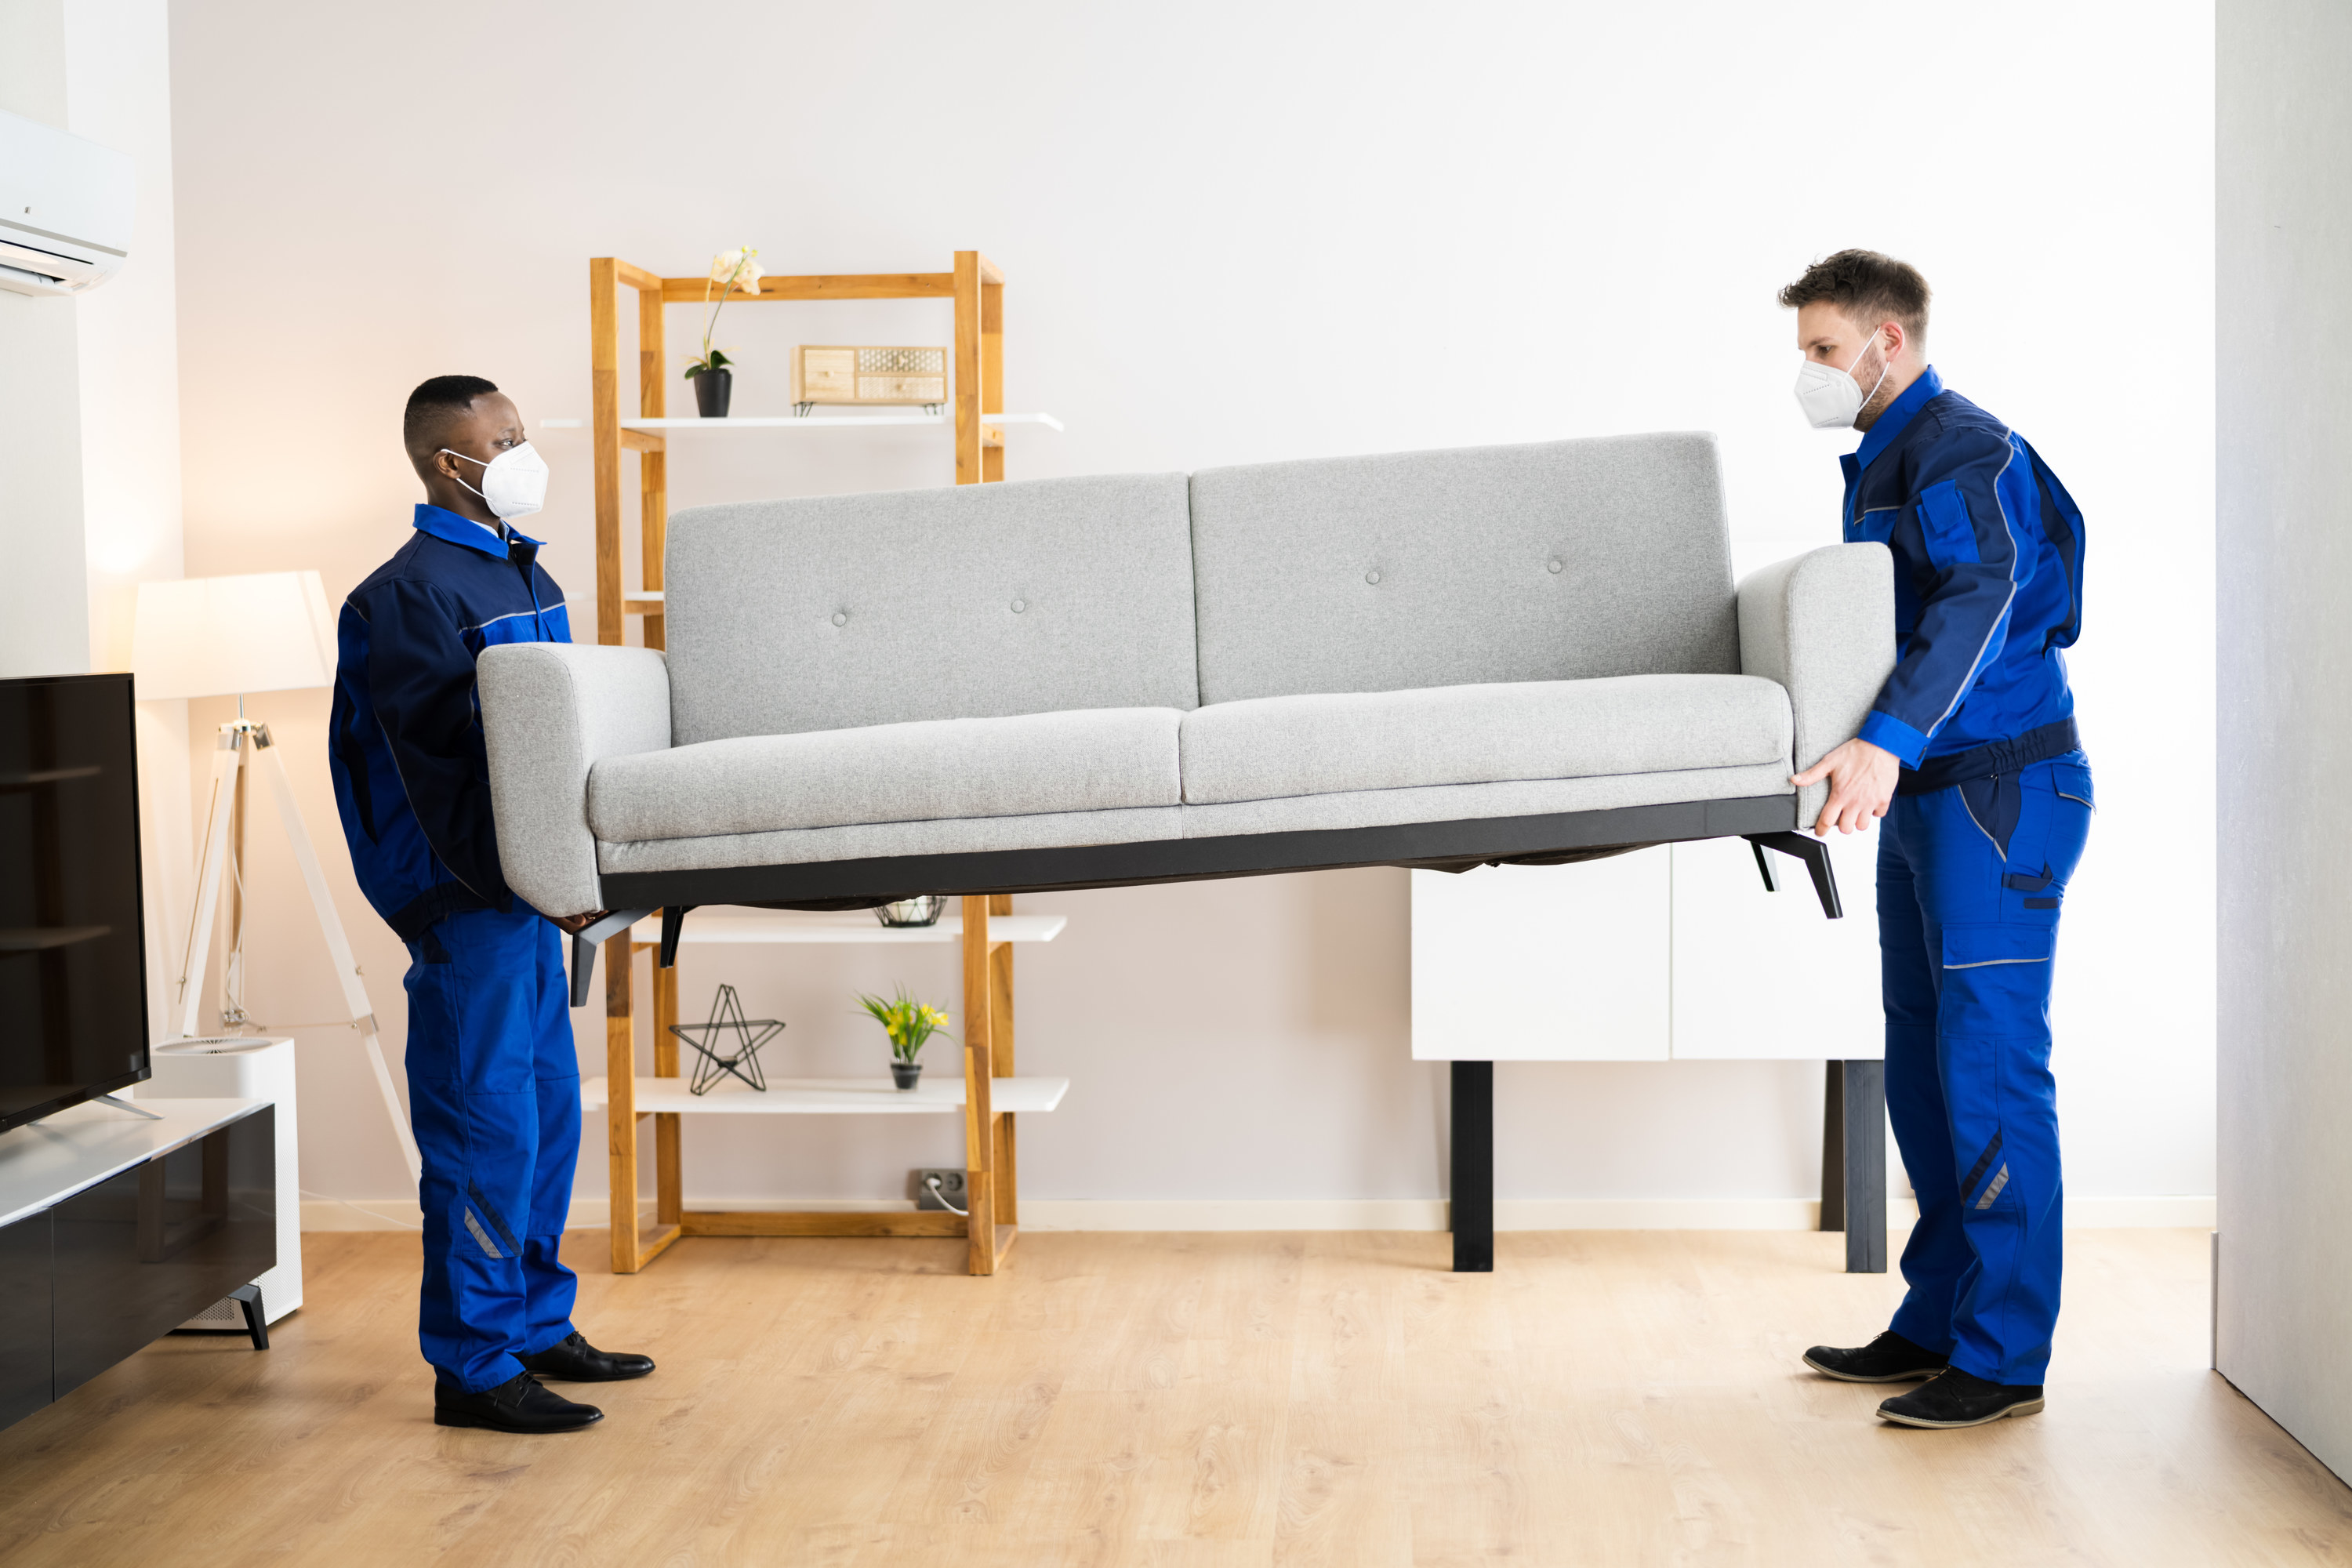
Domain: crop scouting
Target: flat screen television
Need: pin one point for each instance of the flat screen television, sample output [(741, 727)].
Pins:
[(73, 957)]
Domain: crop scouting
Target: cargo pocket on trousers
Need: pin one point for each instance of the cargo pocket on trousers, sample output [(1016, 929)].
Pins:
[(1991, 946), (1996, 981)]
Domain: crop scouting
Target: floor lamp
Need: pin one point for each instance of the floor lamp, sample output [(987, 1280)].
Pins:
[(219, 636)]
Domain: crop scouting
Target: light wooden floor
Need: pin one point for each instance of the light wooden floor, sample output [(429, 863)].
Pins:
[(1185, 1401)]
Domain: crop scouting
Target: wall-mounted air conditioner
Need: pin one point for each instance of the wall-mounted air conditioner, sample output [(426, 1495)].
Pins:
[(65, 209)]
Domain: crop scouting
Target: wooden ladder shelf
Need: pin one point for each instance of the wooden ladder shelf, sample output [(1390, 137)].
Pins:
[(976, 285), (991, 1167)]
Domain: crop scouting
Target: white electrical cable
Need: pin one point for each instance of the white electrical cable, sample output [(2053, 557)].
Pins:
[(933, 1182)]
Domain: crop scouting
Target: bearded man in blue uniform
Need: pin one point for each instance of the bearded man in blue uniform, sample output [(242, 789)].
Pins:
[(493, 1080), (1971, 755)]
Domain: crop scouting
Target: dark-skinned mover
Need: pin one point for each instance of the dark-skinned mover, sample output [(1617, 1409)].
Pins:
[(493, 1081)]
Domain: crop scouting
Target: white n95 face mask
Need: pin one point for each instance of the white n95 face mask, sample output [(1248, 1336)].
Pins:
[(1830, 397), (514, 483)]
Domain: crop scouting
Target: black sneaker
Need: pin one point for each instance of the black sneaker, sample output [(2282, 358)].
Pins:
[(518, 1405), (1889, 1358), (1955, 1398)]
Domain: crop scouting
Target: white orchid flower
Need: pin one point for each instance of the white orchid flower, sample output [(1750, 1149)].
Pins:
[(730, 270), (740, 266)]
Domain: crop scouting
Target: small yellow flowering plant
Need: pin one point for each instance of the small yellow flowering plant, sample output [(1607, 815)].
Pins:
[(732, 271), (907, 1022)]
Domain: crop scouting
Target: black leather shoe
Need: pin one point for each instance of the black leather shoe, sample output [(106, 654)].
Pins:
[(1889, 1358), (573, 1359), (518, 1405), (1956, 1398)]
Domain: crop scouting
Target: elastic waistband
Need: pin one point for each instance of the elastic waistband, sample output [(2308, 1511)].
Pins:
[(413, 919), (1996, 757)]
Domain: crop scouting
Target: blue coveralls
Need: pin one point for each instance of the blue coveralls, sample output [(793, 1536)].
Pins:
[(1987, 826), (493, 1082)]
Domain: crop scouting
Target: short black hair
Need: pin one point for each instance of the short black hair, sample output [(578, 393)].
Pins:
[(1867, 287), (433, 406)]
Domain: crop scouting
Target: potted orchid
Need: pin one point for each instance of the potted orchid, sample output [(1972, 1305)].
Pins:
[(908, 1024), (713, 378)]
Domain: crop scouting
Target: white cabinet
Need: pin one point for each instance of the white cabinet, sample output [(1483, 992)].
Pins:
[(1764, 976), (1556, 963), (1676, 952)]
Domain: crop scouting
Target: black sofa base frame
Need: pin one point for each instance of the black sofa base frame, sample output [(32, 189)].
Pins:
[(1767, 822), (847, 884)]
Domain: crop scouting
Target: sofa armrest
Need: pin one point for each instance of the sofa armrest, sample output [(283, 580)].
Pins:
[(1822, 625), (550, 711)]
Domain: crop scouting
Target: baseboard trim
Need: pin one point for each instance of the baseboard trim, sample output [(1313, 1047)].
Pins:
[(1351, 1213), (1419, 1213), (587, 1213), (2142, 1214)]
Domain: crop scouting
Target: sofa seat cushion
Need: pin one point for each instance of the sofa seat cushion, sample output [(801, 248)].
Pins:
[(1276, 747), (1096, 759), (888, 841)]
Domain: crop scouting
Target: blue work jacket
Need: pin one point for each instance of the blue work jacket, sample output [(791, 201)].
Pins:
[(411, 778), (1987, 574)]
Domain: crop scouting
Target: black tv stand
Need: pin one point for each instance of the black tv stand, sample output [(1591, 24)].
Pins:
[(114, 1231)]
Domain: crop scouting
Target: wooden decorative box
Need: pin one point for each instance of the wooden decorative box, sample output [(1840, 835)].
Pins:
[(868, 378)]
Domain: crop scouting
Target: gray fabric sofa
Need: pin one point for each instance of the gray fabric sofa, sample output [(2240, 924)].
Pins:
[(1523, 652)]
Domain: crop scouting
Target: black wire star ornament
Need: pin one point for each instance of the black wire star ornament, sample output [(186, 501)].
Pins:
[(710, 1067)]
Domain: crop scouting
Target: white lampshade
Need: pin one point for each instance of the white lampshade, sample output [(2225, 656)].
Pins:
[(222, 636)]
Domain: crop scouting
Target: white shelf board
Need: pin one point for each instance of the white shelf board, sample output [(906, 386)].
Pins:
[(744, 925), (875, 1095), (808, 422)]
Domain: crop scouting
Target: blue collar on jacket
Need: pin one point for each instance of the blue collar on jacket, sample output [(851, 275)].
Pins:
[(443, 523), (1889, 425)]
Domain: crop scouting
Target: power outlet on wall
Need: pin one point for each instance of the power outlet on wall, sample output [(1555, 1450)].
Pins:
[(950, 1187)]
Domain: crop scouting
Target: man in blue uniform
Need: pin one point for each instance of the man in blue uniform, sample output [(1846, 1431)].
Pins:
[(1971, 755), (493, 1082)]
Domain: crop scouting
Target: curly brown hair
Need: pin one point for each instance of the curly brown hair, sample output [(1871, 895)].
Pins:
[(1868, 288)]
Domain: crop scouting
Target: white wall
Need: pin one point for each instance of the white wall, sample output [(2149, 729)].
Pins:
[(2286, 228), (119, 93), (44, 606), (89, 418), (1235, 233), (44, 600)]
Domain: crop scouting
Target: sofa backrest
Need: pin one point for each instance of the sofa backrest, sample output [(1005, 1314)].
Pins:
[(976, 601), (1552, 561)]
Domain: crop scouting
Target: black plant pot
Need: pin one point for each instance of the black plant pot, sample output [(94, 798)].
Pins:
[(922, 911), (905, 1074), (712, 388)]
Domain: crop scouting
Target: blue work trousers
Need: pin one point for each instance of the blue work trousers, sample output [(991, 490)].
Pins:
[(494, 1093), (1971, 881)]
